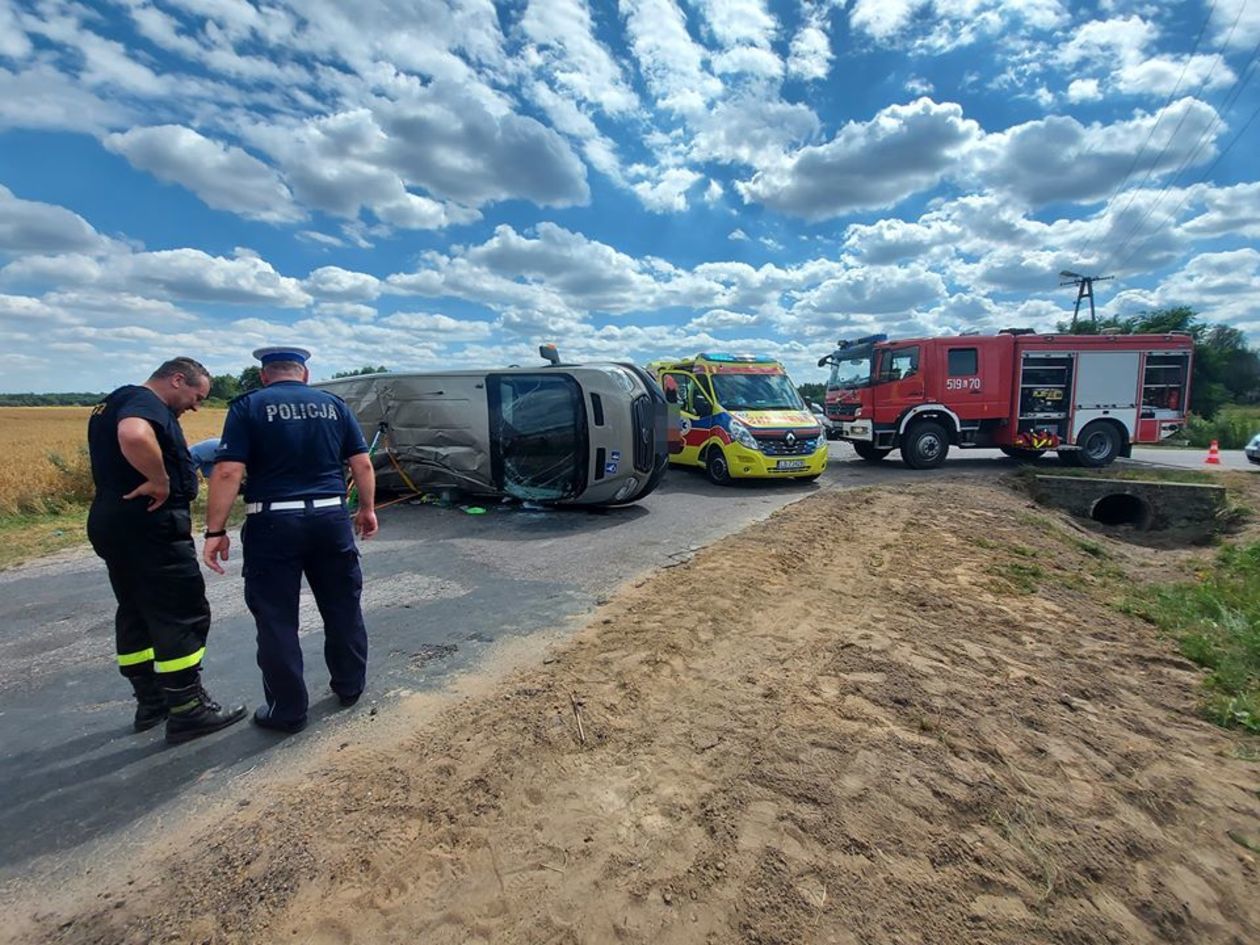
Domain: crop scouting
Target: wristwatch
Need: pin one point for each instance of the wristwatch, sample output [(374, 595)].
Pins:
[(219, 534)]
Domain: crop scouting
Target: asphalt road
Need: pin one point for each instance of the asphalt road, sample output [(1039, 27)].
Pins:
[(441, 587)]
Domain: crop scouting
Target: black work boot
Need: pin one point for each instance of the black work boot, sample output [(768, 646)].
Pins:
[(193, 714), (150, 702)]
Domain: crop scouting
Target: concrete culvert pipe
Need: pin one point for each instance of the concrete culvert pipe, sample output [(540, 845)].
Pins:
[(1121, 508)]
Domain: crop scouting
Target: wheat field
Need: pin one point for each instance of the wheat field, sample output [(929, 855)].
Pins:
[(43, 455)]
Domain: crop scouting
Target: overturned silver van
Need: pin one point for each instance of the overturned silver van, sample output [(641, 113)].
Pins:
[(565, 434)]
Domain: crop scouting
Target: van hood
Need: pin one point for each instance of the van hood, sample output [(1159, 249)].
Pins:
[(779, 419)]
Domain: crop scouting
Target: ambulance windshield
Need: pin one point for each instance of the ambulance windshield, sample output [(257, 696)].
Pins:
[(756, 392)]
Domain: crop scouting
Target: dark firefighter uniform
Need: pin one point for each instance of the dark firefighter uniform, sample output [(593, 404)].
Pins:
[(163, 618), (295, 441)]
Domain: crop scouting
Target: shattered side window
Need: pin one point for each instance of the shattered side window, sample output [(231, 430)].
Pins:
[(539, 433)]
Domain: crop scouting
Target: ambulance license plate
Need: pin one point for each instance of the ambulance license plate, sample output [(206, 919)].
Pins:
[(790, 464)]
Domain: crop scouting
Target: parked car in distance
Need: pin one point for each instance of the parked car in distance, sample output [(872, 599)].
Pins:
[(1253, 449), (830, 428)]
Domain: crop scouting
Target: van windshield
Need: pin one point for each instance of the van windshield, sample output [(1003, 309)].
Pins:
[(756, 392), (538, 435)]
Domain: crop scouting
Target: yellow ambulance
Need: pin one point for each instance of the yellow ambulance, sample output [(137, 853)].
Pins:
[(740, 417)]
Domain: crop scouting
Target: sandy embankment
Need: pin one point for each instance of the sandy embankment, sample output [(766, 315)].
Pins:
[(848, 724)]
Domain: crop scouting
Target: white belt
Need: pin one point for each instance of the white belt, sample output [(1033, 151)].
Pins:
[(292, 505)]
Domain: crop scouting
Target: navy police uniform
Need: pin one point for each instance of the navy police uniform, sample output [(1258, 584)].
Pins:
[(163, 618), (294, 441)]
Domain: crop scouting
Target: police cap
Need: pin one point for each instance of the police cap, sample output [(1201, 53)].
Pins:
[(282, 353)]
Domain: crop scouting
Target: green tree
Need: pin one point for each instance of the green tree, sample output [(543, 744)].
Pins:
[(813, 392), (224, 386), (250, 379), (366, 369), (1226, 369)]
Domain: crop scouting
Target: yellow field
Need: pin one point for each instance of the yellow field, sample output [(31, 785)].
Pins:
[(43, 455)]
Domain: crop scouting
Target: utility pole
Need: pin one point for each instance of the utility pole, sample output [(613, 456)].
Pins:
[(1085, 289)]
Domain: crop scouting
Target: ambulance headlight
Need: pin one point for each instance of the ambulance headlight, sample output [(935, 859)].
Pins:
[(741, 435), (627, 490)]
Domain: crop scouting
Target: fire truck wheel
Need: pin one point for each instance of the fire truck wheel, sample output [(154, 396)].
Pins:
[(1024, 456), (925, 445), (870, 453), (1099, 445), (716, 468)]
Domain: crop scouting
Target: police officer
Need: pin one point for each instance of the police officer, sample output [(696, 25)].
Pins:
[(292, 444), (139, 524)]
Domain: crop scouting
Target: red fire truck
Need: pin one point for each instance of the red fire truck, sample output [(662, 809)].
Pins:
[(1090, 397)]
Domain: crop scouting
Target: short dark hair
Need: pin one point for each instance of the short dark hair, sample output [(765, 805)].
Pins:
[(191, 371), (272, 368)]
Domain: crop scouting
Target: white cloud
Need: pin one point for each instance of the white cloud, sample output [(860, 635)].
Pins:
[(13, 41), (1106, 43), (223, 176), (753, 130), (1163, 75), (902, 150), (29, 312), (919, 86), (1227, 211), (189, 275), (872, 290), (42, 97), (1084, 90), (667, 193), (942, 25), (443, 326), (737, 234), (671, 62), (719, 319), (1236, 21), (810, 56), (27, 226), (574, 58), (197, 276), (1056, 158), (355, 311), (342, 285)]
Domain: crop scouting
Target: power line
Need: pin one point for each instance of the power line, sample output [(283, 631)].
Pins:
[(1137, 155), (1202, 177), (1227, 106)]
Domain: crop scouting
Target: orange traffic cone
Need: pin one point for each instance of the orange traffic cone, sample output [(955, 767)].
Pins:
[(1214, 455)]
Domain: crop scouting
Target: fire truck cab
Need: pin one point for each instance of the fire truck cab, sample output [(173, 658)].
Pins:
[(1090, 397)]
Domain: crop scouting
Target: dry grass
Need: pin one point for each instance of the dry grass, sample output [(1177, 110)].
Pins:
[(43, 457)]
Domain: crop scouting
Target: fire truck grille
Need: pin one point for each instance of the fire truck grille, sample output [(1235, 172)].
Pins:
[(779, 446), (842, 411)]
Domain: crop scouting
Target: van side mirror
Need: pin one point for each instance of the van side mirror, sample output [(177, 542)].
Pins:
[(824, 360), (702, 405)]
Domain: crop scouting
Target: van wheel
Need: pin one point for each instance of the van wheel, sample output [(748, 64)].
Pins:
[(1099, 445), (925, 445), (716, 468), (869, 453)]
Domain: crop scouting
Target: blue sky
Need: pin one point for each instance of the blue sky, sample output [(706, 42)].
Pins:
[(433, 184)]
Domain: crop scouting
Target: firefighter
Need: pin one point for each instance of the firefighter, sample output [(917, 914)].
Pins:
[(140, 525), (292, 443)]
